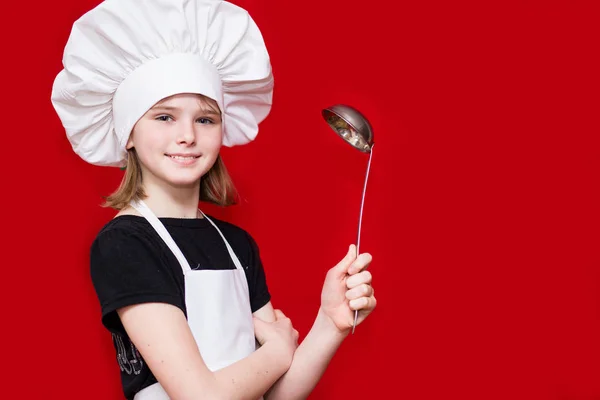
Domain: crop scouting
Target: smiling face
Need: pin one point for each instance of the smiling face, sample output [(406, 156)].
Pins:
[(178, 140)]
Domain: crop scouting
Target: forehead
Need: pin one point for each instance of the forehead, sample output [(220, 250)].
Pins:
[(185, 100)]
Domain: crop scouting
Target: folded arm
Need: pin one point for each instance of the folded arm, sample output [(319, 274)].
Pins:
[(310, 359), (164, 339), (347, 288)]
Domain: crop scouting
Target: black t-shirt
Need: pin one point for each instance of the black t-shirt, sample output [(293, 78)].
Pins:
[(131, 264)]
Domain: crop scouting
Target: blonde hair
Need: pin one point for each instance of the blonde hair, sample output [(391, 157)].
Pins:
[(216, 186)]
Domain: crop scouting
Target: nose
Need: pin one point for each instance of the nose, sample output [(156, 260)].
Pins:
[(186, 134)]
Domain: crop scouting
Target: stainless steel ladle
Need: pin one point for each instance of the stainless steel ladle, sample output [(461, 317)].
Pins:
[(355, 129)]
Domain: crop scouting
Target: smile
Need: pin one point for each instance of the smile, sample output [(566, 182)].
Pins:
[(183, 159)]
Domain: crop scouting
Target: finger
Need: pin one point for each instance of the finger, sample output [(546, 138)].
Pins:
[(362, 290), (361, 263), (358, 279), (342, 267), (362, 303), (364, 313)]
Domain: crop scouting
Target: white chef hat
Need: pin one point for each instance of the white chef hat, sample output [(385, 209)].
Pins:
[(124, 56)]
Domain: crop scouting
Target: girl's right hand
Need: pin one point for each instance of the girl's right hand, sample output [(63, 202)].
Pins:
[(279, 334)]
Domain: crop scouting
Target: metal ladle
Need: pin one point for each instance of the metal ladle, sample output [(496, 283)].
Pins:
[(355, 129)]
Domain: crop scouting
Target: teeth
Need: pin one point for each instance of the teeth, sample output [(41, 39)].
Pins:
[(182, 157)]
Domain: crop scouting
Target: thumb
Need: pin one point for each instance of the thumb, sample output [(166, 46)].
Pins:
[(279, 314), (342, 267)]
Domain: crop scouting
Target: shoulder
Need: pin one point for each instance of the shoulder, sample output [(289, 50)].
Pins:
[(125, 225), (123, 237), (127, 253)]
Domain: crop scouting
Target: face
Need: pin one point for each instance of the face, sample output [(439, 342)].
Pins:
[(178, 140)]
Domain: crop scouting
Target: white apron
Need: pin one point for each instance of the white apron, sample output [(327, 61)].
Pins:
[(218, 308)]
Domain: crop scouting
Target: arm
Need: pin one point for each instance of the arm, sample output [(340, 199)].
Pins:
[(310, 359), (162, 335), (346, 289)]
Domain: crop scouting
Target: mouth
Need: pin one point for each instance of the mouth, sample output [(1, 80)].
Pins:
[(184, 159)]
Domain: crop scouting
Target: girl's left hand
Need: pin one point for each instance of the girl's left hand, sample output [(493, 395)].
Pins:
[(347, 288)]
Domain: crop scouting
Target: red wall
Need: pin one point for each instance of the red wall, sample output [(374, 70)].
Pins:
[(481, 212)]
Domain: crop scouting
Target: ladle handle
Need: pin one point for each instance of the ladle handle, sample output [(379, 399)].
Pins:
[(362, 203)]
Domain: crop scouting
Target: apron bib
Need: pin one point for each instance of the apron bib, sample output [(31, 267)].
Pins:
[(218, 308)]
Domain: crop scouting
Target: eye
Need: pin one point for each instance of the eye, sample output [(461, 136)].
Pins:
[(204, 121), (164, 118)]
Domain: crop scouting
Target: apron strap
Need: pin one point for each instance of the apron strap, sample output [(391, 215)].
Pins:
[(158, 226), (162, 232), (236, 261)]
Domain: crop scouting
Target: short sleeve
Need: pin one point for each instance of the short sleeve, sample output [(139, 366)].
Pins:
[(257, 281), (127, 269)]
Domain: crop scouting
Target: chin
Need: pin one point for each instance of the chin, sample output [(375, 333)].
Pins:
[(184, 182), (183, 179)]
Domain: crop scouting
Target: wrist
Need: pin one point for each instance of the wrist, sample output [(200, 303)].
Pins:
[(326, 325)]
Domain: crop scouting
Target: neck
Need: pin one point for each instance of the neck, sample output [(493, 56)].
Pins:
[(173, 202)]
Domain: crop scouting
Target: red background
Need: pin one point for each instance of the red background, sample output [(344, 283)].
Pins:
[(481, 211)]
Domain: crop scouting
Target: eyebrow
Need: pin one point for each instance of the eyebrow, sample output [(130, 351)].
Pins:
[(171, 108)]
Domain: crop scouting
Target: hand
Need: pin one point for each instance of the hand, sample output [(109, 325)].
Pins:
[(280, 333), (347, 288)]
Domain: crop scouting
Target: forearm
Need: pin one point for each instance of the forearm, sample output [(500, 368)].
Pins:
[(252, 376), (310, 361)]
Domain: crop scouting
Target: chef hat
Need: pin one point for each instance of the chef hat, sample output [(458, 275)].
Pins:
[(124, 56)]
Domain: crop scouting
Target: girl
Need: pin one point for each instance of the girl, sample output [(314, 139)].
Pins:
[(158, 86)]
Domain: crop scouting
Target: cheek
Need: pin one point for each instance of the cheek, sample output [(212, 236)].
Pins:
[(213, 140), (148, 143), (145, 146)]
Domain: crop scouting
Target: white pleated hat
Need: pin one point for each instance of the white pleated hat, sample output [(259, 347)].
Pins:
[(124, 56)]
